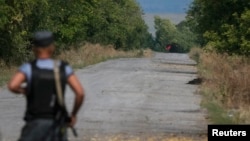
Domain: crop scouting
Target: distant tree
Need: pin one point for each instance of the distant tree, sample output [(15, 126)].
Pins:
[(178, 36), (186, 37)]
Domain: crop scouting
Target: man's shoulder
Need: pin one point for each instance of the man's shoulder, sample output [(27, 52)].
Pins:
[(25, 68), (26, 65)]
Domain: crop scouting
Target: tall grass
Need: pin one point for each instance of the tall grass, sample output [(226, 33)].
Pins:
[(86, 55), (227, 84), (6, 73), (94, 53), (146, 138), (195, 54)]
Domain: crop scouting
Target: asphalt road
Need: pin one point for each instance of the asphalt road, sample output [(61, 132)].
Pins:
[(126, 96)]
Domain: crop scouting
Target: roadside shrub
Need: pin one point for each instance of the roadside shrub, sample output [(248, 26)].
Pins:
[(226, 78), (195, 53)]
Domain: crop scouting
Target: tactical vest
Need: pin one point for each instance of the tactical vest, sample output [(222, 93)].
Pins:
[(41, 98)]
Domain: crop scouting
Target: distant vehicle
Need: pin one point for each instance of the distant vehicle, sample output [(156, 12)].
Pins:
[(168, 48), (173, 48)]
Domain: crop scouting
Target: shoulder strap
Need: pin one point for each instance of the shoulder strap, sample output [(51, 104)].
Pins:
[(58, 83), (59, 89), (33, 64)]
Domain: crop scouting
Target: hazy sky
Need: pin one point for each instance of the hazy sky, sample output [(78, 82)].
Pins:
[(175, 10), (165, 6)]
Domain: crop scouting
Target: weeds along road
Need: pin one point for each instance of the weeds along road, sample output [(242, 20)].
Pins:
[(127, 96)]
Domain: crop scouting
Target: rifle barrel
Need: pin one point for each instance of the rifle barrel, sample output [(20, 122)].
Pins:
[(74, 131)]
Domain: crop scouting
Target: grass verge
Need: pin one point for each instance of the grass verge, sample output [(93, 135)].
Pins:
[(91, 54), (145, 138), (86, 55), (5, 74), (225, 87)]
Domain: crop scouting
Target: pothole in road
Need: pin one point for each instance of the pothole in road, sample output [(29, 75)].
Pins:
[(189, 111)]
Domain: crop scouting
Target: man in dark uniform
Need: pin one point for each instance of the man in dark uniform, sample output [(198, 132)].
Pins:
[(41, 92)]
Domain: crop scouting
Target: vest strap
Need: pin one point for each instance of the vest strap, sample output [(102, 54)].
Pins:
[(58, 83)]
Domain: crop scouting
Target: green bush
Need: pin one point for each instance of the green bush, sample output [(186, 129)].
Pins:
[(223, 25), (119, 23), (179, 36)]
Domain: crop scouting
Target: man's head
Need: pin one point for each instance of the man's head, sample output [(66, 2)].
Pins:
[(43, 44)]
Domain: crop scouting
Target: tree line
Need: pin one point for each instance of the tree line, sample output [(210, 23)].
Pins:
[(222, 25), (179, 36), (116, 22)]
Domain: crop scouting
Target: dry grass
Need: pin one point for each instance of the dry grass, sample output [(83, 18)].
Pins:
[(90, 54), (5, 73), (229, 78), (86, 55), (195, 53), (146, 138), (226, 83)]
